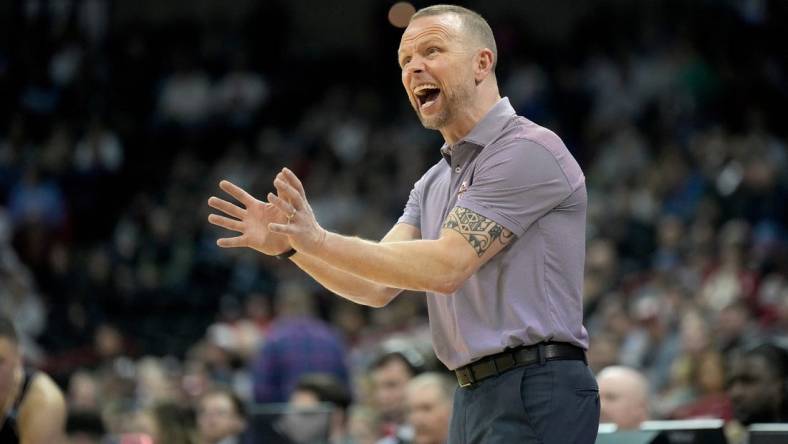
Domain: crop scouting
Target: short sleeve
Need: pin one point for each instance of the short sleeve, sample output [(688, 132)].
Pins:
[(516, 184), (411, 215)]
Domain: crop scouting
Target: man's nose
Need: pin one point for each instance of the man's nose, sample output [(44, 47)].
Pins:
[(415, 65)]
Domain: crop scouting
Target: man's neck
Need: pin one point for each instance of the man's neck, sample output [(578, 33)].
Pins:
[(468, 118)]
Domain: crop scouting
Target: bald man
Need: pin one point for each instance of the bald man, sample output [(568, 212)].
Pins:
[(429, 400), (494, 233), (624, 393)]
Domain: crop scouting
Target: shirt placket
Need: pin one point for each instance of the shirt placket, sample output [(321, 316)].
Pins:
[(458, 161)]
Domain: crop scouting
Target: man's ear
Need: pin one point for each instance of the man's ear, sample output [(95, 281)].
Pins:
[(483, 64)]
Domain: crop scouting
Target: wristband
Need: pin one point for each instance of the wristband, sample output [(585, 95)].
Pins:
[(286, 254)]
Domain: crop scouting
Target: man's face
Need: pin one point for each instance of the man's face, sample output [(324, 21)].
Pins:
[(9, 362), (390, 382), (620, 402), (755, 391), (429, 414), (305, 424), (437, 68), (304, 399), (217, 418)]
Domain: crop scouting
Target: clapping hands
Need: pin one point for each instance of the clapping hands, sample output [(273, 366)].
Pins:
[(285, 221)]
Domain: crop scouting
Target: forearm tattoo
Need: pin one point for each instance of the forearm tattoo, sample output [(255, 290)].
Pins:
[(479, 231)]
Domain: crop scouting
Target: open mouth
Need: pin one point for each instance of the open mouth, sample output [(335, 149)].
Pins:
[(426, 95)]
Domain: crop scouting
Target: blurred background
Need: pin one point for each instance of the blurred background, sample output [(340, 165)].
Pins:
[(117, 119)]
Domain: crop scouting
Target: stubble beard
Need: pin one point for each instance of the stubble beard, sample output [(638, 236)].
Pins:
[(453, 101), (439, 120)]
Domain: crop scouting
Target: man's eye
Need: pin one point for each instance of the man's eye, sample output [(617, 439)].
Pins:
[(433, 50)]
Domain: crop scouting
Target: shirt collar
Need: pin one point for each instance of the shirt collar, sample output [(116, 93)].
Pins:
[(487, 129)]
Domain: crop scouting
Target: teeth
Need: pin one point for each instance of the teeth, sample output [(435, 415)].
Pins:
[(424, 86)]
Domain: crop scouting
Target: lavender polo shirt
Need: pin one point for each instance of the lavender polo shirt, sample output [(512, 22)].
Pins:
[(520, 175)]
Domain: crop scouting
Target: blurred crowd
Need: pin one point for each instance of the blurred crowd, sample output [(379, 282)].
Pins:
[(112, 139)]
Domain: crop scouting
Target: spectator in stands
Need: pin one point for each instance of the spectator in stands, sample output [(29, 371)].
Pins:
[(314, 389), (167, 422), (429, 401), (185, 97), (19, 298), (240, 93), (221, 417), (84, 427), (624, 394), (36, 200), (298, 343), (391, 373), (758, 384), (99, 151), (364, 424), (83, 391), (710, 400)]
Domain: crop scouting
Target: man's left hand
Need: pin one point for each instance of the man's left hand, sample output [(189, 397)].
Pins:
[(305, 234)]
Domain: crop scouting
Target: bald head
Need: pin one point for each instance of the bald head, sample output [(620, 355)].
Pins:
[(443, 385), (472, 26), (429, 399), (624, 394)]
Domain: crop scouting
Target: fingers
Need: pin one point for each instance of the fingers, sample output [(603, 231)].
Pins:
[(226, 222), (236, 191), (280, 204), (294, 181), (285, 191), (227, 207), (231, 242), (285, 229)]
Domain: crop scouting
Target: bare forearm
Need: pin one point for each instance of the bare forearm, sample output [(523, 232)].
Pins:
[(419, 265), (347, 285)]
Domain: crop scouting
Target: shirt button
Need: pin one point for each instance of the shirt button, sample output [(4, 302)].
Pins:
[(457, 169)]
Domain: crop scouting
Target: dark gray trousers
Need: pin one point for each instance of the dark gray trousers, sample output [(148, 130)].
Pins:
[(552, 403)]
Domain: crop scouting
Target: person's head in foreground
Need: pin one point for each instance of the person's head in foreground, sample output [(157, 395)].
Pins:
[(429, 399), (318, 388), (757, 385), (220, 415), (448, 55), (623, 392)]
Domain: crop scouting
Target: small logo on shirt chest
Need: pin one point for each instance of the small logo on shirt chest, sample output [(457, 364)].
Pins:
[(462, 190)]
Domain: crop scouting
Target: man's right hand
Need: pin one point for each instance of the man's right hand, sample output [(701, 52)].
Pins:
[(251, 221)]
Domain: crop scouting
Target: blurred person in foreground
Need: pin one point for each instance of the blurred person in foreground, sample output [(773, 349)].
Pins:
[(494, 233), (315, 389), (624, 393), (33, 409), (429, 399), (221, 417)]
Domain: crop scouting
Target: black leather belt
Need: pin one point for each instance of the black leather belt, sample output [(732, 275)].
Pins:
[(517, 357)]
